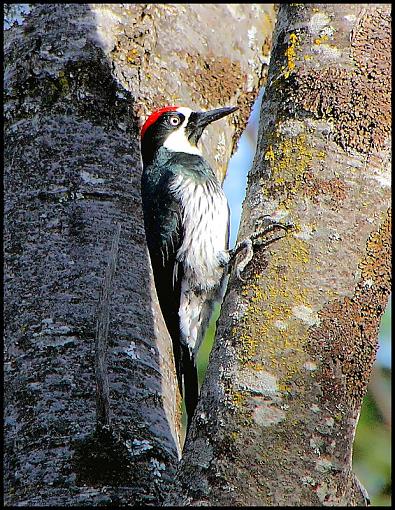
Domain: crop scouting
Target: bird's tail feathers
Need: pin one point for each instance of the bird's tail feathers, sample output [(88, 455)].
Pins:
[(195, 312), (191, 389)]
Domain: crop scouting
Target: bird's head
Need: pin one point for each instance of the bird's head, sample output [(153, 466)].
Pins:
[(177, 128)]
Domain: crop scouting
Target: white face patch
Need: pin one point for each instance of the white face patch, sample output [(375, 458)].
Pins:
[(178, 141)]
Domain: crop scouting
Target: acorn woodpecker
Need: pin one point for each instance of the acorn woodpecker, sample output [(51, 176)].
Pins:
[(186, 218)]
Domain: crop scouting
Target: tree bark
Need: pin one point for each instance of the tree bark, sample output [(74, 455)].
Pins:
[(296, 342), (78, 81)]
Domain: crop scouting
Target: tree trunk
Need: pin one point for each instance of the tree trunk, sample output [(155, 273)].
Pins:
[(82, 321), (296, 341)]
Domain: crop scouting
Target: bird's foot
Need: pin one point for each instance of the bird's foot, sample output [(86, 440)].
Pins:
[(256, 239)]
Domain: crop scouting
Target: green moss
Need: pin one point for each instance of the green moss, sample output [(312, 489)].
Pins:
[(63, 84)]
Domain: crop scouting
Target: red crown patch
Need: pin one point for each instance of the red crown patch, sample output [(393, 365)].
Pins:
[(155, 116)]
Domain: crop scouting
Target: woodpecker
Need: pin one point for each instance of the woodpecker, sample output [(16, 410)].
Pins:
[(186, 219)]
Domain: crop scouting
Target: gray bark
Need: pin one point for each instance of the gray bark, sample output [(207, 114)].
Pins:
[(78, 81), (296, 342)]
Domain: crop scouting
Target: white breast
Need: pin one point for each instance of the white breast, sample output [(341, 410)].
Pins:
[(205, 220)]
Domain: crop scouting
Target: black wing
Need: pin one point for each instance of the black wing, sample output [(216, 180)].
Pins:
[(163, 229)]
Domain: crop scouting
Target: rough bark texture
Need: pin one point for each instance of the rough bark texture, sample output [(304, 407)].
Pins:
[(296, 343), (78, 79)]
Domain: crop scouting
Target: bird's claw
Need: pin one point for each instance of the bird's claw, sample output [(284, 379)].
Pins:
[(270, 227), (247, 244), (255, 239)]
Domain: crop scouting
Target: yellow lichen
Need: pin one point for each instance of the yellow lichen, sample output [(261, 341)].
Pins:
[(269, 154), (234, 435), (320, 40), (272, 302), (290, 53), (237, 398), (269, 330), (291, 157), (133, 57)]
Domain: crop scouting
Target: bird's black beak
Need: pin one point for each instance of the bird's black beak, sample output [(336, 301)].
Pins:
[(199, 120), (203, 119)]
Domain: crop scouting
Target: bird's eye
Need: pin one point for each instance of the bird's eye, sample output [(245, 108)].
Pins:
[(174, 120)]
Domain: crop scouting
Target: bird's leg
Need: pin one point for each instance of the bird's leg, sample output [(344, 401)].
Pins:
[(255, 240)]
